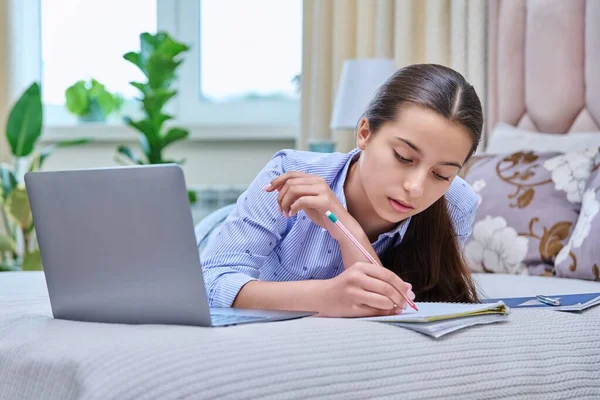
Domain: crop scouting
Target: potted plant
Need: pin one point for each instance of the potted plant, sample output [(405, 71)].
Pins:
[(158, 59), (90, 101), (18, 248)]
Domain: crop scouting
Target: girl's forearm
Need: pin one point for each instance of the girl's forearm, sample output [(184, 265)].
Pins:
[(295, 295)]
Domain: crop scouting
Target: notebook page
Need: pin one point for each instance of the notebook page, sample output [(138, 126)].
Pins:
[(436, 311), (438, 329)]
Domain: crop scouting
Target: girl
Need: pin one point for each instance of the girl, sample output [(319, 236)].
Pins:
[(398, 193)]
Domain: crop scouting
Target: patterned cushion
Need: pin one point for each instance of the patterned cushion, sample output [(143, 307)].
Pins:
[(529, 204), (580, 257)]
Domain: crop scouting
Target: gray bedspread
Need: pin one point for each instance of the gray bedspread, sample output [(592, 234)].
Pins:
[(538, 354)]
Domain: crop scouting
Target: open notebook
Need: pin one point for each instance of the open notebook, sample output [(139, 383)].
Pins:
[(438, 319), (569, 302)]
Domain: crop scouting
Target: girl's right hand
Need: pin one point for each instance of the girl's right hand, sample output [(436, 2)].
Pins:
[(365, 290)]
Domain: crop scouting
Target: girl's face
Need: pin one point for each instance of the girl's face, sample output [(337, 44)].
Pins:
[(409, 164)]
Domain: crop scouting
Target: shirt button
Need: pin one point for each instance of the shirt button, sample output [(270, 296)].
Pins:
[(304, 268)]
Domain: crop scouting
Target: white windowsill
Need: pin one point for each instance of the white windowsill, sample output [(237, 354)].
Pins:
[(114, 132)]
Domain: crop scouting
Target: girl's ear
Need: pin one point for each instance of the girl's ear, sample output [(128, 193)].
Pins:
[(363, 133)]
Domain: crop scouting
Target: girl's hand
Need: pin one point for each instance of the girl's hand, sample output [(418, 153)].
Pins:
[(365, 290), (306, 192)]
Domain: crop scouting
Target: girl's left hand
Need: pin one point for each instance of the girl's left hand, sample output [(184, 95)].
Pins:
[(306, 192)]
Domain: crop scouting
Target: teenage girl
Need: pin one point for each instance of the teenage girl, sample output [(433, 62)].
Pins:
[(398, 193)]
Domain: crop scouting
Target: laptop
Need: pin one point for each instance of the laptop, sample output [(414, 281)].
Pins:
[(117, 245)]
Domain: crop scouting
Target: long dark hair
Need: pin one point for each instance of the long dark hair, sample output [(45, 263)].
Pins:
[(429, 256)]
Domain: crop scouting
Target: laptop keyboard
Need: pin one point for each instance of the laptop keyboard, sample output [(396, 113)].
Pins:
[(222, 319)]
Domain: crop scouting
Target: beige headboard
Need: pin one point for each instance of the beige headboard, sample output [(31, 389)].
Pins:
[(544, 65)]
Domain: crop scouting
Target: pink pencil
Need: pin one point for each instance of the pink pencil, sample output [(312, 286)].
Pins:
[(346, 232)]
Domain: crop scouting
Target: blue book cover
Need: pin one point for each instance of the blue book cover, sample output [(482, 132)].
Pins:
[(572, 302)]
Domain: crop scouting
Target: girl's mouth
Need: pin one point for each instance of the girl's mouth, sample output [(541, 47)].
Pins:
[(400, 206)]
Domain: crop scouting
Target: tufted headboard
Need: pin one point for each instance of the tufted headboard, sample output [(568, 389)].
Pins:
[(544, 65)]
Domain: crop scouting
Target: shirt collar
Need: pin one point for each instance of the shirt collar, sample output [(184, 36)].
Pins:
[(338, 184), (338, 188)]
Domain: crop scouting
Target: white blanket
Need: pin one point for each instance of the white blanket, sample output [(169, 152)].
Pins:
[(538, 354)]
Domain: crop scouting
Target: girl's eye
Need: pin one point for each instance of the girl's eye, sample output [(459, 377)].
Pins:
[(440, 177), (402, 159)]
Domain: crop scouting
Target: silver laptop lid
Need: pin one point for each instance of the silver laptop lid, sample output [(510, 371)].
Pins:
[(117, 245)]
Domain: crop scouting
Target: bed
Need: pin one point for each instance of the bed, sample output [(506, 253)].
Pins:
[(537, 354)]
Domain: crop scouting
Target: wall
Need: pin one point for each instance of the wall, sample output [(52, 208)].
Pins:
[(219, 157)]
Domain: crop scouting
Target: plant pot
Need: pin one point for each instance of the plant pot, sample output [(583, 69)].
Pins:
[(321, 145), (95, 114)]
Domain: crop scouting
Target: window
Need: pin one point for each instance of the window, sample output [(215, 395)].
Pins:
[(244, 64), (83, 39), (268, 48), (242, 69)]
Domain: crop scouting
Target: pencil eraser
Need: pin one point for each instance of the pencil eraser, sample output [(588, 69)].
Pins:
[(331, 216)]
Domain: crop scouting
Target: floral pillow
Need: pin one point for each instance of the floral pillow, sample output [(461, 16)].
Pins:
[(529, 204), (580, 257)]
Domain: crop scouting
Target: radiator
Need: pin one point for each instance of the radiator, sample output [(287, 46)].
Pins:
[(211, 198)]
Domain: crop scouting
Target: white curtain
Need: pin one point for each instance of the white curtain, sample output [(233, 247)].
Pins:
[(5, 78), (448, 32)]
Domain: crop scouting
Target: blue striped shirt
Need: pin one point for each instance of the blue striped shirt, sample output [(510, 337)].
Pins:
[(257, 242)]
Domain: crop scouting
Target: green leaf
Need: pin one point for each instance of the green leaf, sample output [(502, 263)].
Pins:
[(162, 118), (192, 196), (73, 142), (19, 209), (173, 135), (148, 43), (30, 228), (171, 48), (24, 125), (136, 60), (7, 243), (77, 98), (32, 261), (142, 87), (161, 72), (156, 100), (144, 126), (8, 181), (127, 152), (107, 103), (96, 88), (150, 141)]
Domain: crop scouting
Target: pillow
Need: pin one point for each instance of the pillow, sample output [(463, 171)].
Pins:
[(509, 139), (529, 203), (580, 257), (210, 225)]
